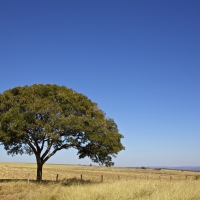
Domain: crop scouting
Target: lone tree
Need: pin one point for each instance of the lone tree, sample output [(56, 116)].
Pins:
[(43, 119)]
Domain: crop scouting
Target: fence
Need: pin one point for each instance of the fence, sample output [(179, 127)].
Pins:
[(103, 178)]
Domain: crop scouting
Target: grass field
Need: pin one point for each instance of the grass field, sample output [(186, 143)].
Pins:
[(118, 183)]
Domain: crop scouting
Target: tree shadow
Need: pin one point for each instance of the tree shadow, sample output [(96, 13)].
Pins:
[(63, 182), (14, 180), (76, 181)]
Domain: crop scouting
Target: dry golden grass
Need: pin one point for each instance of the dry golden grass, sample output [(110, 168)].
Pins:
[(133, 184)]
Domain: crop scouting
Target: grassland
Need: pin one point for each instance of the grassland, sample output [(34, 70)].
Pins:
[(118, 183)]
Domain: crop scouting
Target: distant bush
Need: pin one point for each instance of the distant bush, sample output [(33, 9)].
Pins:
[(157, 168), (143, 167), (197, 177)]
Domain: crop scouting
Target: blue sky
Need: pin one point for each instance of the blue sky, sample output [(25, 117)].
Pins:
[(139, 60)]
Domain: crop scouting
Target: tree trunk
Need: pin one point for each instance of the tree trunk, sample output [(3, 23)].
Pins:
[(39, 170)]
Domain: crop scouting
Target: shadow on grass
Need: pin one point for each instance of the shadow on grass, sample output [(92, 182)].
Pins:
[(76, 181), (64, 182)]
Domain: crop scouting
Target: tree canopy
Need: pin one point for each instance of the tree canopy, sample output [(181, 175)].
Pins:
[(44, 119)]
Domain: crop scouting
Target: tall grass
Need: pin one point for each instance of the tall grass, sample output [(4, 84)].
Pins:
[(117, 190), (155, 190)]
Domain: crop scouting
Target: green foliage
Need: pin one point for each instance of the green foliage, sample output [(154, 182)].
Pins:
[(43, 119), (109, 164)]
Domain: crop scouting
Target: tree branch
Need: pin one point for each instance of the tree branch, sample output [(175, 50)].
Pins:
[(42, 146), (35, 142), (55, 150), (30, 144), (48, 149)]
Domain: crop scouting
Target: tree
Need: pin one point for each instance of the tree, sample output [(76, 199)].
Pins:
[(44, 119)]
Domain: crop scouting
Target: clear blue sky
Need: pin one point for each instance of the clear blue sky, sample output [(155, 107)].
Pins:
[(139, 60)]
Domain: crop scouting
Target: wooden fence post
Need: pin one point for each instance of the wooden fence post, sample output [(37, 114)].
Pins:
[(57, 178), (28, 178), (118, 177), (81, 177), (101, 178)]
